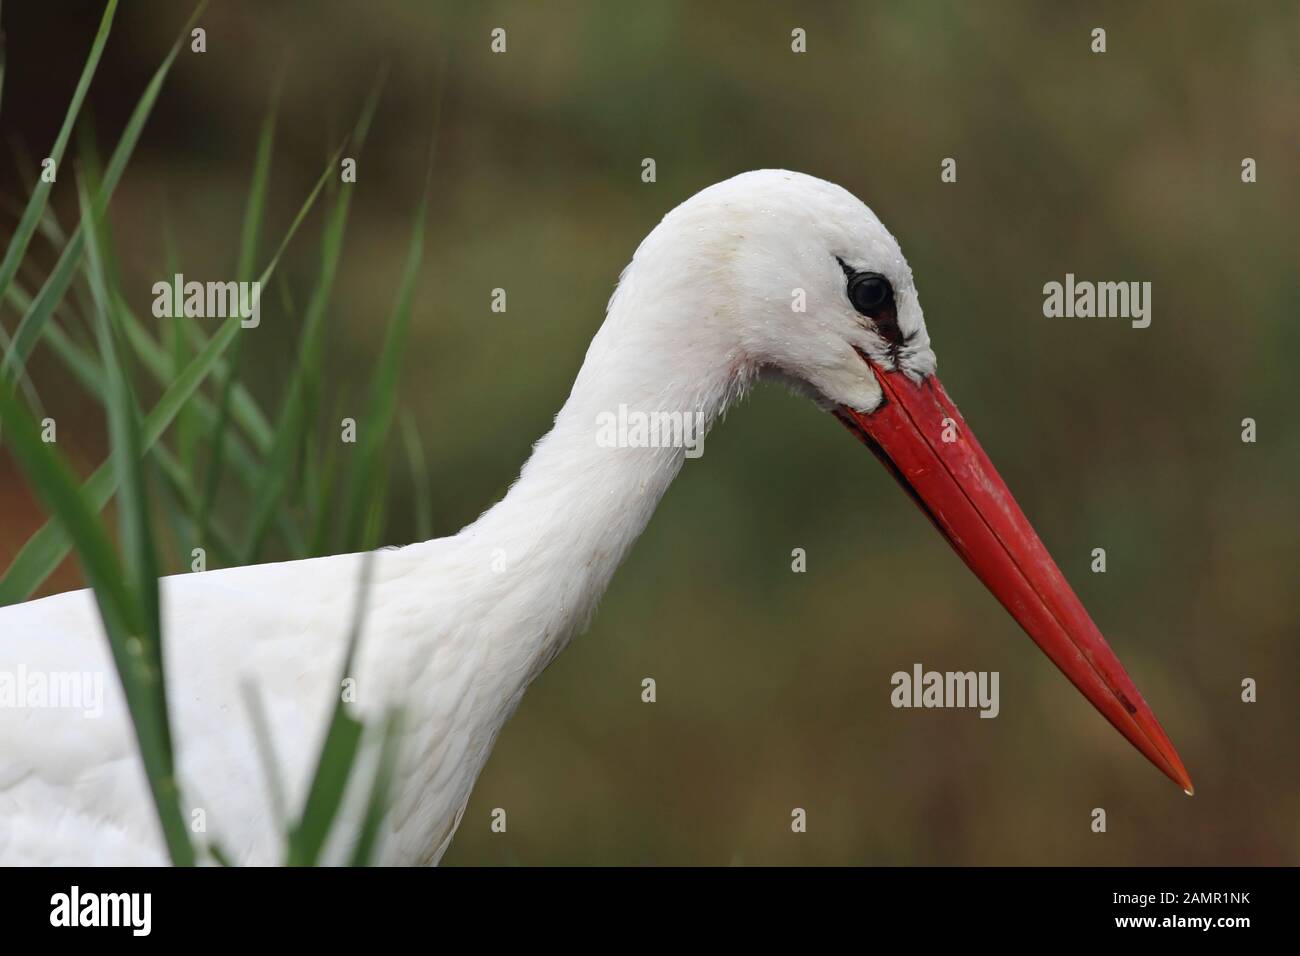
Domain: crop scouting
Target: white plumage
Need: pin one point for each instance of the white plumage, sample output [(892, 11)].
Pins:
[(457, 628)]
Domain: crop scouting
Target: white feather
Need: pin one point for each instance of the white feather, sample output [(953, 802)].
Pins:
[(457, 628)]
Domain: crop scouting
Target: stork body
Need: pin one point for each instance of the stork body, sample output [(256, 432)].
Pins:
[(457, 628)]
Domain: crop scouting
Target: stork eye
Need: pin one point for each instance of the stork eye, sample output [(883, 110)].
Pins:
[(873, 297), (869, 292)]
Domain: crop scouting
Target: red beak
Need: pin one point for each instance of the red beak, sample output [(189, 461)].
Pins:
[(922, 439)]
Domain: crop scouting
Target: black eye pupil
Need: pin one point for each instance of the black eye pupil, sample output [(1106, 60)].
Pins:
[(868, 292)]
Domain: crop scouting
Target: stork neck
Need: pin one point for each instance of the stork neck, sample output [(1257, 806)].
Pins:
[(635, 415)]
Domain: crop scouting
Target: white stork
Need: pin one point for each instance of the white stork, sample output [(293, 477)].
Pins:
[(457, 628)]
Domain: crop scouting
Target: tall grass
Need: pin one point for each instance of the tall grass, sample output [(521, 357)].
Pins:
[(206, 432)]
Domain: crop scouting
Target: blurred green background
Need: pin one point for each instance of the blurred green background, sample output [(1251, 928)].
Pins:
[(773, 687)]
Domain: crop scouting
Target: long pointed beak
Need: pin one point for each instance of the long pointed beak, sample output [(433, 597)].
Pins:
[(922, 439)]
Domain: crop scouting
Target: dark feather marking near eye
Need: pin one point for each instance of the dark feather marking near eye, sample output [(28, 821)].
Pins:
[(885, 318)]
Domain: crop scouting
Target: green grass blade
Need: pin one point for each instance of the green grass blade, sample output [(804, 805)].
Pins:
[(158, 362), (46, 549), (298, 406), (419, 478), (372, 532), (376, 422), (266, 754), (176, 344), (254, 213), (142, 650), (319, 492), (33, 322), (141, 564), (42, 307), (25, 381), (244, 409), (380, 790), (35, 209), (86, 371), (362, 126), (255, 208), (217, 542), (338, 752), (307, 839), (56, 485), (219, 856)]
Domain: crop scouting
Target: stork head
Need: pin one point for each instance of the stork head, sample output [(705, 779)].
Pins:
[(798, 279), (797, 275)]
